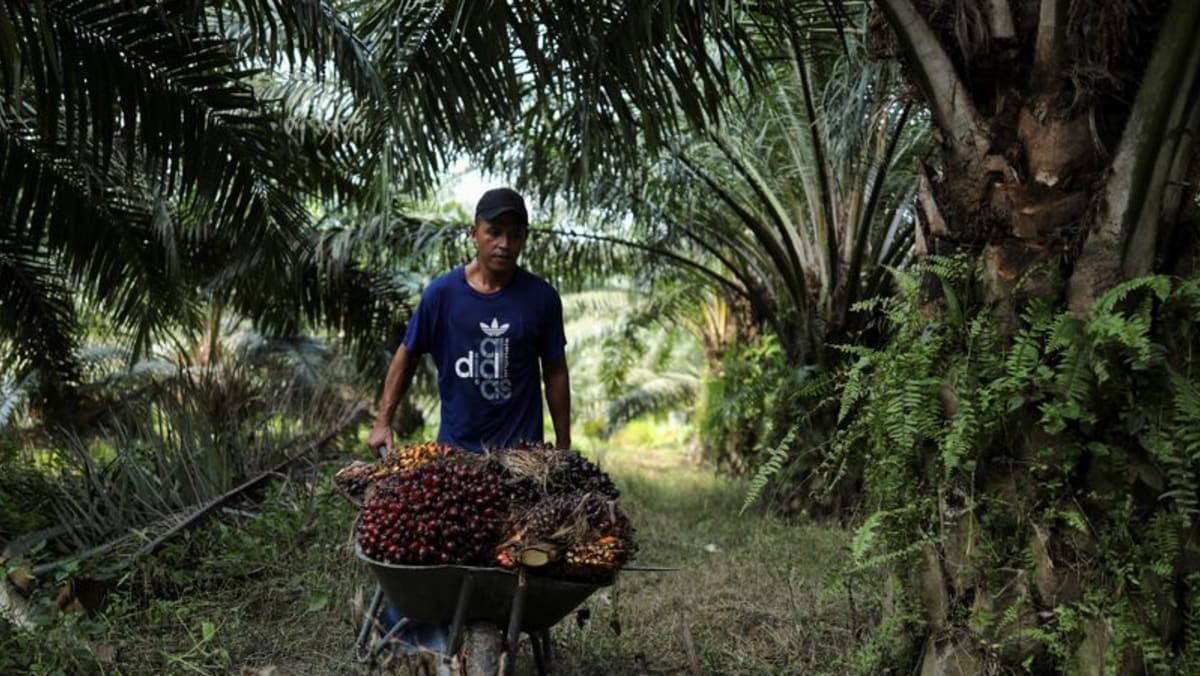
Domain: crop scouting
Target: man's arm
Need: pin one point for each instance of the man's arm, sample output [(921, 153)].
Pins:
[(399, 377), (558, 398)]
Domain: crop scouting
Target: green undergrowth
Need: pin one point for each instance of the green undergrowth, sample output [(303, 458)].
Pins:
[(1034, 493), (281, 589)]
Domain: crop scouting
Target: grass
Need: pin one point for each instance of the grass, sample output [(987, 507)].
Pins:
[(755, 594), (752, 594)]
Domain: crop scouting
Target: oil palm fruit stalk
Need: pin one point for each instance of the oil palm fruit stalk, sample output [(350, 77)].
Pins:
[(354, 480), (569, 534)]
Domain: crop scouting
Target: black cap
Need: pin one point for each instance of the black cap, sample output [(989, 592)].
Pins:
[(499, 201)]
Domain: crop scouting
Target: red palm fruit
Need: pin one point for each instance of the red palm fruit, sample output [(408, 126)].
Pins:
[(436, 513)]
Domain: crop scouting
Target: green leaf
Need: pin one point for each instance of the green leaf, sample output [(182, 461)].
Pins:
[(317, 602), (952, 304), (207, 631)]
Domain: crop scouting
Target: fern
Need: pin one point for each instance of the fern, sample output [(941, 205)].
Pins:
[(1191, 629), (1186, 418), (1159, 285), (853, 389), (1113, 393), (772, 466), (865, 536), (1179, 450), (1012, 613), (960, 439), (818, 392), (889, 558)]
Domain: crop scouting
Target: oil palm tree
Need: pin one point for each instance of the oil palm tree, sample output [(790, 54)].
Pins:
[(140, 163), (1067, 165), (1067, 134), (801, 196), (154, 156)]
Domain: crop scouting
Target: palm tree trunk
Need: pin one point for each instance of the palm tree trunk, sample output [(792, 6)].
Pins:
[(1025, 186)]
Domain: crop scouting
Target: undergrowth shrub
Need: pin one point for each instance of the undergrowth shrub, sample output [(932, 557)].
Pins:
[(740, 404), (1036, 496)]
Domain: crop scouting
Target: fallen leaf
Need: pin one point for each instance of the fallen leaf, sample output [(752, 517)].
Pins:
[(104, 653), (318, 602)]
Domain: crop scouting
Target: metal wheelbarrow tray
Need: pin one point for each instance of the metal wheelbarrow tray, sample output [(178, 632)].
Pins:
[(456, 594), (435, 593)]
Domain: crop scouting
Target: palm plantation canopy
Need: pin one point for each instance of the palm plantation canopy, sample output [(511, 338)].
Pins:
[(924, 268)]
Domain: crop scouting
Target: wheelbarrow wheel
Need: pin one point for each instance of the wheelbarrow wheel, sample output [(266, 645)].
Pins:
[(480, 651)]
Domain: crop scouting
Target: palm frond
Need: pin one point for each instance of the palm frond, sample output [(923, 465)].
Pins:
[(13, 392), (652, 393), (583, 85), (293, 33), (36, 312)]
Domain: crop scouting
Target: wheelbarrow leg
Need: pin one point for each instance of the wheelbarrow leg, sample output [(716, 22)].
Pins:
[(460, 611), (548, 649), (540, 641), (392, 633), (367, 623), (514, 624)]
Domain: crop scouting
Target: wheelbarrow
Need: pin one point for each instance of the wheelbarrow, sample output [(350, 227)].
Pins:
[(454, 595)]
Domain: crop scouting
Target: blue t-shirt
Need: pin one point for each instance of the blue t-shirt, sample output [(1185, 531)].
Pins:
[(486, 347)]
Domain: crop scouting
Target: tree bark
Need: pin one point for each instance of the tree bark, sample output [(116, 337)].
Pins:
[(1025, 187)]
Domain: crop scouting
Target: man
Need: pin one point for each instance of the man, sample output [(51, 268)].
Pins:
[(487, 325)]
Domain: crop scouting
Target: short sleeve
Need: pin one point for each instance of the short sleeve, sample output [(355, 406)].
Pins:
[(417, 337), (554, 339)]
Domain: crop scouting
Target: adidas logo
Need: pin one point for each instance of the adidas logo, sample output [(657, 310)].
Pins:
[(495, 329)]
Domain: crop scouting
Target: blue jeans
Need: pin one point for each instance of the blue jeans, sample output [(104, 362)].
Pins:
[(417, 634)]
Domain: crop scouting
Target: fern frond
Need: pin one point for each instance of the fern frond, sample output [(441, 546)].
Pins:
[(853, 389), (770, 468), (1159, 285)]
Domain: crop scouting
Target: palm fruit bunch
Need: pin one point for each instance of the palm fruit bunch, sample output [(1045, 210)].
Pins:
[(576, 473), (597, 559), (355, 480), (411, 457), (447, 511), (577, 535), (539, 534), (605, 546), (533, 471), (524, 473)]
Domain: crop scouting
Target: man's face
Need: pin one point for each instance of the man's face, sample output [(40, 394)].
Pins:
[(499, 242)]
